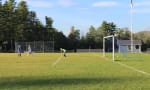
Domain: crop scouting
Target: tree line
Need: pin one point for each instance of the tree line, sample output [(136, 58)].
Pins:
[(18, 23)]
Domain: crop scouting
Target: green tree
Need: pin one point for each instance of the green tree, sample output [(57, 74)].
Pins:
[(145, 37), (17, 23), (74, 37), (50, 31), (108, 28), (22, 24), (124, 34), (83, 44), (7, 23), (91, 36), (60, 41)]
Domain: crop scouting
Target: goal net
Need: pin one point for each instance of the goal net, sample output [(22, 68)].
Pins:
[(109, 47), (112, 45), (36, 46)]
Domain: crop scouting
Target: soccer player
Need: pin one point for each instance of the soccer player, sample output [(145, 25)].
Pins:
[(29, 50), (19, 50), (64, 51)]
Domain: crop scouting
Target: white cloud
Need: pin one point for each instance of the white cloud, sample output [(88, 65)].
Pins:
[(42, 4), (105, 4), (66, 3), (48, 4), (140, 4), (83, 8), (142, 7), (39, 3), (142, 11), (20, 0)]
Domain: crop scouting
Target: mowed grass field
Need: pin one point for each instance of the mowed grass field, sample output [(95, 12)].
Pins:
[(78, 71)]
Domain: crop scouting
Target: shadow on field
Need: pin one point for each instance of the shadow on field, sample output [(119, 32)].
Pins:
[(129, 60), (14, 82)]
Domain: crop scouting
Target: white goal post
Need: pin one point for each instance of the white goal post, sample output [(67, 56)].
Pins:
[(113, 46)]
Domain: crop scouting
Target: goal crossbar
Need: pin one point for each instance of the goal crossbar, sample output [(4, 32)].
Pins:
[(113, 45)]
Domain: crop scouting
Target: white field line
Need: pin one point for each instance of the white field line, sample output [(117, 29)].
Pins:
[(58, 60), (129, 67), (132, 68)]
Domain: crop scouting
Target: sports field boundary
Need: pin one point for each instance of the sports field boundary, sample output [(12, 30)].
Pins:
[(124, 65), (129, 67), (132, 68), (57, 61)]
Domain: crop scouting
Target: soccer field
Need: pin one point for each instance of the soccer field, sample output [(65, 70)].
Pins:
[(78, 71)]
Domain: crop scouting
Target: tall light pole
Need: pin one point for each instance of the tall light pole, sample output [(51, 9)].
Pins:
[(131, 23)]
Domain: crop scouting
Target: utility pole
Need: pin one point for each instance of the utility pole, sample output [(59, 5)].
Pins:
[(131, 24)]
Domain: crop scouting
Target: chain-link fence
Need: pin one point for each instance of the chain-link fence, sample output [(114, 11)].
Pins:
[(36, 46)]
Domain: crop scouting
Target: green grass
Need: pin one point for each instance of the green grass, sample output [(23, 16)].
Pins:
[(79, 71)]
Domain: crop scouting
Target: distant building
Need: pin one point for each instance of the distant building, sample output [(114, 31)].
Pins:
[(125, 45)]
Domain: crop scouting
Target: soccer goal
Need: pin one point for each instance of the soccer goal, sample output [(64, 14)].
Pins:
[(36, 46), (112, 37)]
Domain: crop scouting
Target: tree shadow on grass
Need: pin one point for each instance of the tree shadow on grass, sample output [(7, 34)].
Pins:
[(14, 82), (130, 59)]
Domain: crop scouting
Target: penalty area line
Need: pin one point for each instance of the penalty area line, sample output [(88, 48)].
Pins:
[(132, 68), (57, 61), (129, 67)]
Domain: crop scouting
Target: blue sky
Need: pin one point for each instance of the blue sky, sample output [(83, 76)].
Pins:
[(83, 13)]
